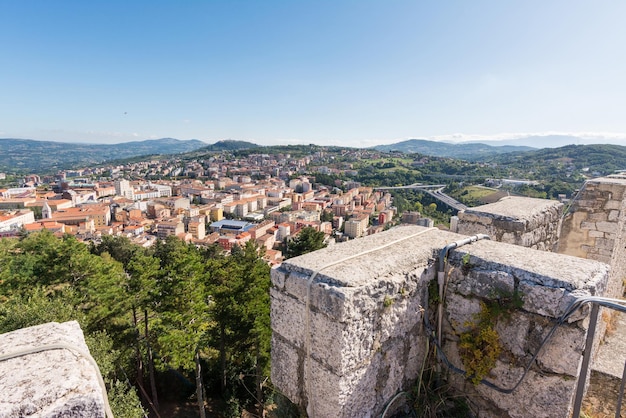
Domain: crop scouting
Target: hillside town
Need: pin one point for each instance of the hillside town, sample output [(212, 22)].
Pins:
[(220, 200)]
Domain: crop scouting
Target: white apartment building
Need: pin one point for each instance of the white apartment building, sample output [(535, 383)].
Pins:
[(15, 220), (146, 194), (124, 189)]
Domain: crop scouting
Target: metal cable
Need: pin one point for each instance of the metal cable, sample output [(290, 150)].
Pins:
[(617, 304)]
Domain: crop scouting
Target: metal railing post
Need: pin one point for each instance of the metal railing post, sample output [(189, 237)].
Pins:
[(582, 377)]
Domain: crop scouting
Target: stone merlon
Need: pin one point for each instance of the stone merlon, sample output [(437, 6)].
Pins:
[(57, 382), (533, 223), (344, 345)]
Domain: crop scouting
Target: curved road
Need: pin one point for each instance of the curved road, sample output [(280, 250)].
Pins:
[(437, 193)]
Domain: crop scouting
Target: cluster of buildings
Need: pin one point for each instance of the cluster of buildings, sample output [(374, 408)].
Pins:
[(222, 200)]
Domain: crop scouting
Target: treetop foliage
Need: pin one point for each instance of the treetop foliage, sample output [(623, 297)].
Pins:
[(170, 307), (308, 240)]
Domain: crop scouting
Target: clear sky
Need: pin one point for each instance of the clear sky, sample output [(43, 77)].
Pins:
[(327, 72)]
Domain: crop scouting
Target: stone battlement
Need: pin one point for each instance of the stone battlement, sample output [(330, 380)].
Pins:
[(524, 221), (355, 338)]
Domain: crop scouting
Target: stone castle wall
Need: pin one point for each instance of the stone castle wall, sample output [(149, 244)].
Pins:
[(356, 338)]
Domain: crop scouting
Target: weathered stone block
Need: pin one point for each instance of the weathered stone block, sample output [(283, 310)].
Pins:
[(606, 226), (50, 383), (510, 238), (287, 368), (542, 300), (486, 284), (612, 204), (278, 279), (605, 244), (513, 333), (330, 392), (596, 234), (598, 217), (588, 225), (566, 344), (540, 396), (461, 312), (288, 317), (515, 220)]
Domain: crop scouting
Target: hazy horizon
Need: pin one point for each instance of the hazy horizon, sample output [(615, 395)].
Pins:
[(502, 139)]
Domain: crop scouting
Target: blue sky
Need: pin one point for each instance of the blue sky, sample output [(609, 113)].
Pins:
[(327, 72)]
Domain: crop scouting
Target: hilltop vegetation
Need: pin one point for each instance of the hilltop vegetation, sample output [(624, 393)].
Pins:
[(229, 145), (604, 159)]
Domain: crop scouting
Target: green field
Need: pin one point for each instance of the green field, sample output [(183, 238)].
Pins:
[(477, 192), (477, 195)]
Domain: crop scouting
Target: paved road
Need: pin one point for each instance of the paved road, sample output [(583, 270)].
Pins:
[(437, 193), (441, 196), (413, 186)]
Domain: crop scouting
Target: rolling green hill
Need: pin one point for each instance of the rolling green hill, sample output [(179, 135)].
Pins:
[(465, 151), (30, 156), (229, 145), (603, 159)]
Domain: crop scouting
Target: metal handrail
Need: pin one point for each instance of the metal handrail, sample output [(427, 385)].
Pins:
[(596, 302)]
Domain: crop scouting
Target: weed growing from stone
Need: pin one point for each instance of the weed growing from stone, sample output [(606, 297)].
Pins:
[(433, 293), (480, 346), (466, 265)]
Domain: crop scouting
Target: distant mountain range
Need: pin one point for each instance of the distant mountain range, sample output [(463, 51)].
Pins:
[(467, 151), (479, 149), (23, 156), (27, 155), (543, 141)]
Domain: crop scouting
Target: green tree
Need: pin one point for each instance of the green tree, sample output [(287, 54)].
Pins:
[(306, 241), (182, 308), (326, 216), (120, 248), (142, 272), (239, 290), (37, 211), (138, 293)]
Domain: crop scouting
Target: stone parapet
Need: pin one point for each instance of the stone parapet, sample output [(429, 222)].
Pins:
[(529, 222), (49, 383), (348, 321)]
